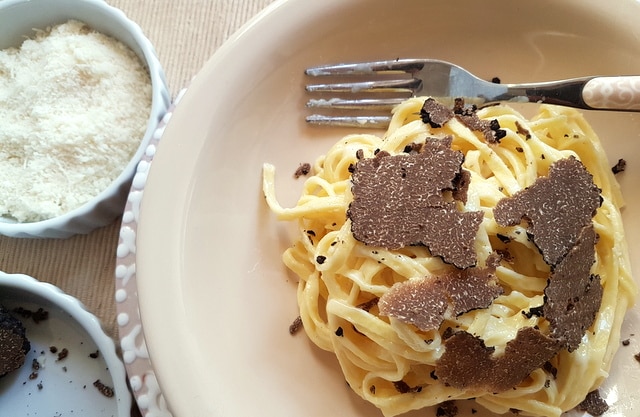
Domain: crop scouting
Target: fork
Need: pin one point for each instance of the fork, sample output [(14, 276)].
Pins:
[(378, 86)]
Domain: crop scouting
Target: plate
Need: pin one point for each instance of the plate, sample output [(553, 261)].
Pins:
[(215, 301), (60, 385)]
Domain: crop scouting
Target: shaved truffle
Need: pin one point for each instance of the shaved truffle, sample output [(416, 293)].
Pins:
[(434, 113), (400, 201), (467, 363), (421, 302), (490, 129), (557, 207), (14, 344), (426, 302), (573, 295), (594, 404)]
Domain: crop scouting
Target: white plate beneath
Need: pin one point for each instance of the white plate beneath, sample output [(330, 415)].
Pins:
[(61, 386), (214, 298)]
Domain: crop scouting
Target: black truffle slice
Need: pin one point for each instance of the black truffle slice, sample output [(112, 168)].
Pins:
[(468, 364), (434, 113), (557, 207), (400, 201), (14, 344), (426, 302), (573, 295), (421, 302)]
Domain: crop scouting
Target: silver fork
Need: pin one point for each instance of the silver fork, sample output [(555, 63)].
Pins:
[(376, 87)]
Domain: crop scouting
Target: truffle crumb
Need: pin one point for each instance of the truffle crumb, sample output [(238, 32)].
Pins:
[(401, 201), (594, 404), (549, 368), (427, 302), (620, 166), (296, 325), (39, 315), (447, 409), (103, 389), (63, 354), (404, 388), (637, 356), (556, 207), (626, 342), (522, 130), (302, 170), (94, 355)]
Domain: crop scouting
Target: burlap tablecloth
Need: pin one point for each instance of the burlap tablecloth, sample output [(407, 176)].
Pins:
[(185, 33)]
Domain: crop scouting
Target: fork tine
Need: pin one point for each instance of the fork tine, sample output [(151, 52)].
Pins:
[(396, 65), (374, 122), (394, 77), (407, 85), (339, 103)]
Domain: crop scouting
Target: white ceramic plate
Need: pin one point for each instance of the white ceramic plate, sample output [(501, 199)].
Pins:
[(61, 386), (214, 298)]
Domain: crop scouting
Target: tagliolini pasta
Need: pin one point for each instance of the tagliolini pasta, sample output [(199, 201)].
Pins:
[(391, 362)]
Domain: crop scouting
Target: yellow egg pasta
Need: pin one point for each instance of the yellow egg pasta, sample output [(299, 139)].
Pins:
[(391, 363)]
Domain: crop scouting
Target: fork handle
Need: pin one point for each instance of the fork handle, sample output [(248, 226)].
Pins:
[(612, 93), (596, 93)]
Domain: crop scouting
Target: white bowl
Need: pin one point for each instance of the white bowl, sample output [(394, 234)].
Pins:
[(18, 19), (62, 387)]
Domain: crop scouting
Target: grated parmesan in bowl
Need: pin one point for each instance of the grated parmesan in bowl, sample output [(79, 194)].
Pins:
[(80, 97)]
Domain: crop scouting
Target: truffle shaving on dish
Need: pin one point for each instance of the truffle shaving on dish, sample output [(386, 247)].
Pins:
[(466, 254)]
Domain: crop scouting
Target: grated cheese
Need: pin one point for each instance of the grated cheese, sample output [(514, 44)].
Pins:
[(74, 105)]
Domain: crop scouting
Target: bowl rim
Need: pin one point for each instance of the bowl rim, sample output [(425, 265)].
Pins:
[(68, 223), (88, 321)]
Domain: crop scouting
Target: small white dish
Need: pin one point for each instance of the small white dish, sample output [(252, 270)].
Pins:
[(61, 387), (18, 19)]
